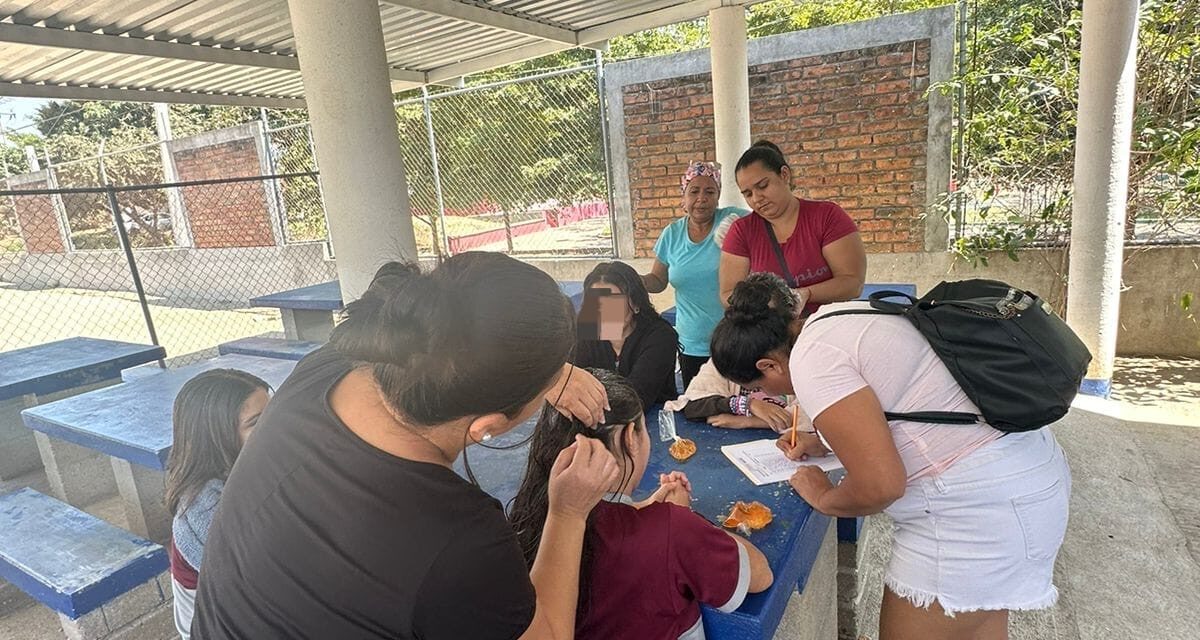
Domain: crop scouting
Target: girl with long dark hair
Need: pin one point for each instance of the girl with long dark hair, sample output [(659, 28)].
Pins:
[(645, 347), (214, 414), (647, 566)]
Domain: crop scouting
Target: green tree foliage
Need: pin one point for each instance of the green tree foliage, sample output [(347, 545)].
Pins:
[(1022, 87)]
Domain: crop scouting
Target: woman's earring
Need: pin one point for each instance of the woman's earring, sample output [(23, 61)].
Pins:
[(486, 437)]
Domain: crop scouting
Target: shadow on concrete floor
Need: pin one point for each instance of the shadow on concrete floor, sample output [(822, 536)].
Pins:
[(1154, 382)]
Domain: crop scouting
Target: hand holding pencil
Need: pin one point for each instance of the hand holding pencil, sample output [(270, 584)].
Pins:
[(800, 445)]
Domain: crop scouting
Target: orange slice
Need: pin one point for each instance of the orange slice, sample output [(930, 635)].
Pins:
[(682, 449), (754, 515)]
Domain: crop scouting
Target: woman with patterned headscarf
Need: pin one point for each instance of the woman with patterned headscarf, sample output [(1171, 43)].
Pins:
[(687, 256)]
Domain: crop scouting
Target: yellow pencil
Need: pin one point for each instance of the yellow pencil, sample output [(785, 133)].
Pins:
[(795, 419)]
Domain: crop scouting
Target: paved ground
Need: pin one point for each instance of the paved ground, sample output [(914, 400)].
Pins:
[(1130, 566)]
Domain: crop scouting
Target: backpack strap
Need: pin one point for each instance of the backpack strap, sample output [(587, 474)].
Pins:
[(787, 273), (936, 417), (882, 307)]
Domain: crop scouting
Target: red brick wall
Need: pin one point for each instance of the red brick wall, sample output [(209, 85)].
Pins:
[(225, 215), (38, 221), (853, 126)]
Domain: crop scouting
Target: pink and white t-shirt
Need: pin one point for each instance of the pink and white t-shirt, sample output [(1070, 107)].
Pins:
[(835, 357)]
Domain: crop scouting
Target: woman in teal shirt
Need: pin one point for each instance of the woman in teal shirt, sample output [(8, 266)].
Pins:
[(687, 256)]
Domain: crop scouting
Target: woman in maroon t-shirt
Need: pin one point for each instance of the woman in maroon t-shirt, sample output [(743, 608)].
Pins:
[(826, 261)]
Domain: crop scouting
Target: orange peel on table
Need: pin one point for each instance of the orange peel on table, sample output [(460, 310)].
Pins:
[(753, 515), (682, 449)]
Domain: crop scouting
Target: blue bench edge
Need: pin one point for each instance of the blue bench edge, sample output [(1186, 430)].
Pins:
[(92, 597)]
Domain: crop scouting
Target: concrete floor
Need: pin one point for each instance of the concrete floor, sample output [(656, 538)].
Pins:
[(1130, 566)]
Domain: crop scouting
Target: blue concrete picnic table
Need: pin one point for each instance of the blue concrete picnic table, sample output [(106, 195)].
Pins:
[(308, 312), (131, 423), (791, 542), (38, 374)]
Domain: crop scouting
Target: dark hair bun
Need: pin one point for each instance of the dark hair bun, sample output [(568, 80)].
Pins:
[(388, 305), (769, 145), (750, 303)]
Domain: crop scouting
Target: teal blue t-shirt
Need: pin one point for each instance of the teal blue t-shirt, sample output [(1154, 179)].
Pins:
[(692, 270)]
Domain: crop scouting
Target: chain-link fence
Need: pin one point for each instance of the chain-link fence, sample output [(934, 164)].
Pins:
[(189, 297), (1017, 88), (517, 167), (290, 151)]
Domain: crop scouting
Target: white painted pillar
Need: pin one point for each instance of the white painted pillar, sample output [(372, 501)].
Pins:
[(731, 94), (179, 223), (1106, 92), (349, 98)]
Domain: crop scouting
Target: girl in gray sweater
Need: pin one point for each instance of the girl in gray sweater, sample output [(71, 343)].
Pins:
[(214, 414)]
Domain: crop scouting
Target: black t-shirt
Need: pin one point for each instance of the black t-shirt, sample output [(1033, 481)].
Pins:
[(320, 535), (647, 359)]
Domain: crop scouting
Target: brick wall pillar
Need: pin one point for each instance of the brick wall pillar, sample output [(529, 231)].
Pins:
[(39, 217), (236, 214)]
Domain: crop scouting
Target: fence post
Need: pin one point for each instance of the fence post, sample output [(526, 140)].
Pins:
[(133, 268), (277, 193), (123, 238), (60, 206), (603, 111), (437, 174), (960, 176)]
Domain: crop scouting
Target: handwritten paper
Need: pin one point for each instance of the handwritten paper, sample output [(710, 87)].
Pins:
[(763, 462)]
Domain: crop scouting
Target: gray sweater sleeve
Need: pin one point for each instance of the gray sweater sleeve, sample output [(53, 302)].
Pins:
[(189, 528)]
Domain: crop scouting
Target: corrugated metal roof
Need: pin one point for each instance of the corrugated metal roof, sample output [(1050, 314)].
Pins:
[(243, 51)]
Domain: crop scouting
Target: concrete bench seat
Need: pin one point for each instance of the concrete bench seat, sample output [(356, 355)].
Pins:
[(263, 347), (99, 579)]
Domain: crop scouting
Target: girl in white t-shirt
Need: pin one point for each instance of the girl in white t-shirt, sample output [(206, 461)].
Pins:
[(979, 517)]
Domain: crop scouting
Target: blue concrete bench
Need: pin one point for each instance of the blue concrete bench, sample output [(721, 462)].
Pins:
[(131, 422), (98, 578), (269, 348), (38, 374)]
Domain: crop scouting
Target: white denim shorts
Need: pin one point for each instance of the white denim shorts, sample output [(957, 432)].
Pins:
[(984, 534)]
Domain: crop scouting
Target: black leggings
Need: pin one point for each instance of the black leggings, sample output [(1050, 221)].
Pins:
[(689, 366)]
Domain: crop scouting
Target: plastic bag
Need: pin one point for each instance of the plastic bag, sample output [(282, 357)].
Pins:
[(666, 425)]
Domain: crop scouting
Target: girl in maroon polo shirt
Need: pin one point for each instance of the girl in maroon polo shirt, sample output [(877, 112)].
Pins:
[(826, 261), (646, 566)]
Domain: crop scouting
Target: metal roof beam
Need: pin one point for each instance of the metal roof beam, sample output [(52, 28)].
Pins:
[(80, 40), (681, 12), (594, 37), (68, 92), (491, 16), (483, 63)]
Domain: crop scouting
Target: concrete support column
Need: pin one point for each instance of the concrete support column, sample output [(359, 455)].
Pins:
[(1106, 92), (731, 94), (179, 221), (349, 98)]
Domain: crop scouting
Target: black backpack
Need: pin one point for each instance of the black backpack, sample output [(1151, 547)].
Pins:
[(1011, 354)]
